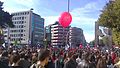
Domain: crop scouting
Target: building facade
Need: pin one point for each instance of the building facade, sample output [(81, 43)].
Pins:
[(76, 37), (47, 34), (58, 34), (29, 29)]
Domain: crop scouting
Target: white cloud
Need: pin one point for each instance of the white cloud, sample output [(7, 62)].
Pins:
[(90, 7), (89, 37), (28, 3), (50, 19)]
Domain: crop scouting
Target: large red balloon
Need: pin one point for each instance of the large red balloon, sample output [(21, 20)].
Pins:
[(65, 19)]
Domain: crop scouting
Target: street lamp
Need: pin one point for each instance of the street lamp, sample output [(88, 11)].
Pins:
[(68, 5)]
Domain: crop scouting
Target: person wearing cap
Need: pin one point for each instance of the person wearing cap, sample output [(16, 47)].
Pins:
[(43, 58)]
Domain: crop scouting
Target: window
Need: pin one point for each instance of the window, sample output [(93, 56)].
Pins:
[(5, 35), (18, 14), (25, 13), (19, 22), (21, 26), (15, 18), (21, 35), (22, 22), (14, 22), (13, 35), (21, 30), (22, 18)]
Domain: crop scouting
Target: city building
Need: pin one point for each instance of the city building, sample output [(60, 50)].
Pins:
[(58, 34), (29, 29), (47, 34), (76, 37)]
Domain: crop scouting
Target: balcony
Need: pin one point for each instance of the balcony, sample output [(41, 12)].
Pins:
[(55, 25), (57, 41), (54, 29), (57, 38)]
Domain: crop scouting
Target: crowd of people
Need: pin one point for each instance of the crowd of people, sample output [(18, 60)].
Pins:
[(34, 57)]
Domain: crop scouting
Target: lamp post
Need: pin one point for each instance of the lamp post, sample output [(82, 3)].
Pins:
[(68, 5)]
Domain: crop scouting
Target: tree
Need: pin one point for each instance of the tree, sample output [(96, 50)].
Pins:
[(110, 15), (92, 43), (110, 18), (5, 21), (5, 18), (116, 37)]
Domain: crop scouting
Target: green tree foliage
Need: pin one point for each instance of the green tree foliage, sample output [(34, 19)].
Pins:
[(110, 18), (5, 18), (92, 43), (5, 21), (116, 37)]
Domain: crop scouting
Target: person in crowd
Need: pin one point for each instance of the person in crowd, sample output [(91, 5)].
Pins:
[(72, 62), (92, 61), (72, 58), (85, 62), (101, 62), (43, 58), (50, 64), (58, 63), (4, 57), (15, 59), (109, 62), (113, 56), (117, 62), (1, 50), (2, 65), (34, 58), (24, 63), (78, 60)]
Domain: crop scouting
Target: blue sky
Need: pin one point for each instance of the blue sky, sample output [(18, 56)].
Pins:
[(84, 12)]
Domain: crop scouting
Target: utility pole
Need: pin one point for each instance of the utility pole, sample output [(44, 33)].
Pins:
[(68, 5)]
